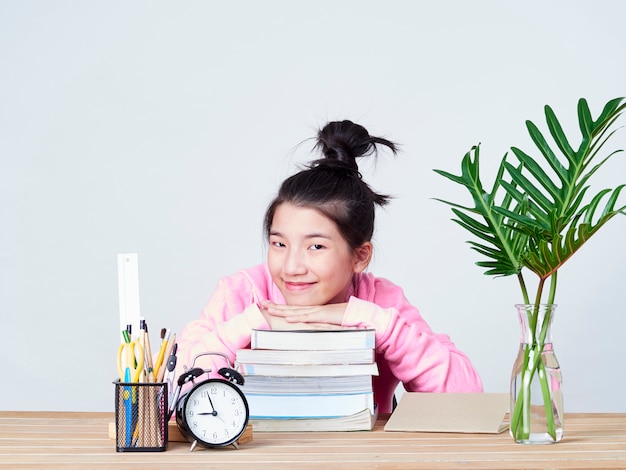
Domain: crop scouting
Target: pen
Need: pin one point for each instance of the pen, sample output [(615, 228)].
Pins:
[(128, 408)]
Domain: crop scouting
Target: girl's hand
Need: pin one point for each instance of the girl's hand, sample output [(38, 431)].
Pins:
[(291, 317)]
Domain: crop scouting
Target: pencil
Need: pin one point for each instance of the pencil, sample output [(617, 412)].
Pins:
[(165, 334)]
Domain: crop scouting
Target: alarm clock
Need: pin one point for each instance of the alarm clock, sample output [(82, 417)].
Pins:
[(214, 413)]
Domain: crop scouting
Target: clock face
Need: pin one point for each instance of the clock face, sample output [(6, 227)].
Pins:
[(216, 412)]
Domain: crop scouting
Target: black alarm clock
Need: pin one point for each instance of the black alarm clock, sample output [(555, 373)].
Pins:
[(214, 413)]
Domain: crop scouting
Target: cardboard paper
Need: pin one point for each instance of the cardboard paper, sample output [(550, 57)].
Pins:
[(450, 412)]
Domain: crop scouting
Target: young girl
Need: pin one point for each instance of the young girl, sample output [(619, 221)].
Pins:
[(319, 229)]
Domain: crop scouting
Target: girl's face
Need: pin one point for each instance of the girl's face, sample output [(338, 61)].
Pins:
[(308, 258)]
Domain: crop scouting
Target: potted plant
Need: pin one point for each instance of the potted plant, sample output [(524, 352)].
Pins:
[(533, 217)]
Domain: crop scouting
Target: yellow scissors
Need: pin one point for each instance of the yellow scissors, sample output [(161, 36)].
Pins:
[(130, 358)]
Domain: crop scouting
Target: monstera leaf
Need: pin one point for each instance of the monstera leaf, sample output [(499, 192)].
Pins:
[(537, 213)]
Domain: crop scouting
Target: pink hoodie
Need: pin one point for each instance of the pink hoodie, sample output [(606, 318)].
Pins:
[(407, 350)]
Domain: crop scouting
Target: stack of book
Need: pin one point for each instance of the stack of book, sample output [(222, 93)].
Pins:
[(310, 380)]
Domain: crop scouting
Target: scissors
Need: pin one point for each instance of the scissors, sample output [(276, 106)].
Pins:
[(130, 357)]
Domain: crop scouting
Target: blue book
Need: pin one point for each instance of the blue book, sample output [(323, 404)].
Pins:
[(289, 406), (361, 421)]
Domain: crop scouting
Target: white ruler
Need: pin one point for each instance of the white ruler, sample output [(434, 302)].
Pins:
[(128, 283)]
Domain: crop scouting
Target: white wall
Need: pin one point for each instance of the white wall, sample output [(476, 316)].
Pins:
[(164, 128)]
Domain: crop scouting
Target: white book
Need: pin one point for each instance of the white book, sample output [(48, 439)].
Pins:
[(329, 405), (272, 384), (313, 339), (275, 356), (323, 370)]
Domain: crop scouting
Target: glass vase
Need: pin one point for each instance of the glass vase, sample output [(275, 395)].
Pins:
[(536, 393)]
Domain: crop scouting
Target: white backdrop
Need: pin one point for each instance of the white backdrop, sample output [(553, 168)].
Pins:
[(164, 128)]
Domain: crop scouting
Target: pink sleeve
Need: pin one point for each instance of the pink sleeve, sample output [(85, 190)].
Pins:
[(224, 326), (422, 360)]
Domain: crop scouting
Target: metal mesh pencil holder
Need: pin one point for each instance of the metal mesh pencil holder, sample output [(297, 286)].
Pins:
[(140, 417)]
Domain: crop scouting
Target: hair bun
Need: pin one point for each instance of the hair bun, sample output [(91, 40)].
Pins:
[(345, 141)]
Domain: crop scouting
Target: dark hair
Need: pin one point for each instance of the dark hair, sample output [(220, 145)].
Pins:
[(333, 184)]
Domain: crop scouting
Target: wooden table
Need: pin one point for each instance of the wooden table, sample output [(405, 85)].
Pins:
[(80, 440)]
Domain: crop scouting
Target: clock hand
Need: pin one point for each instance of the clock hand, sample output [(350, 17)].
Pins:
[(211, 402), (213, 412)]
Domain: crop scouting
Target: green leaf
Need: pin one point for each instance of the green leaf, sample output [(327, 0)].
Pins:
[(490, 228), (539, 211), (544, 148), (561, 141), (526, 186)]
